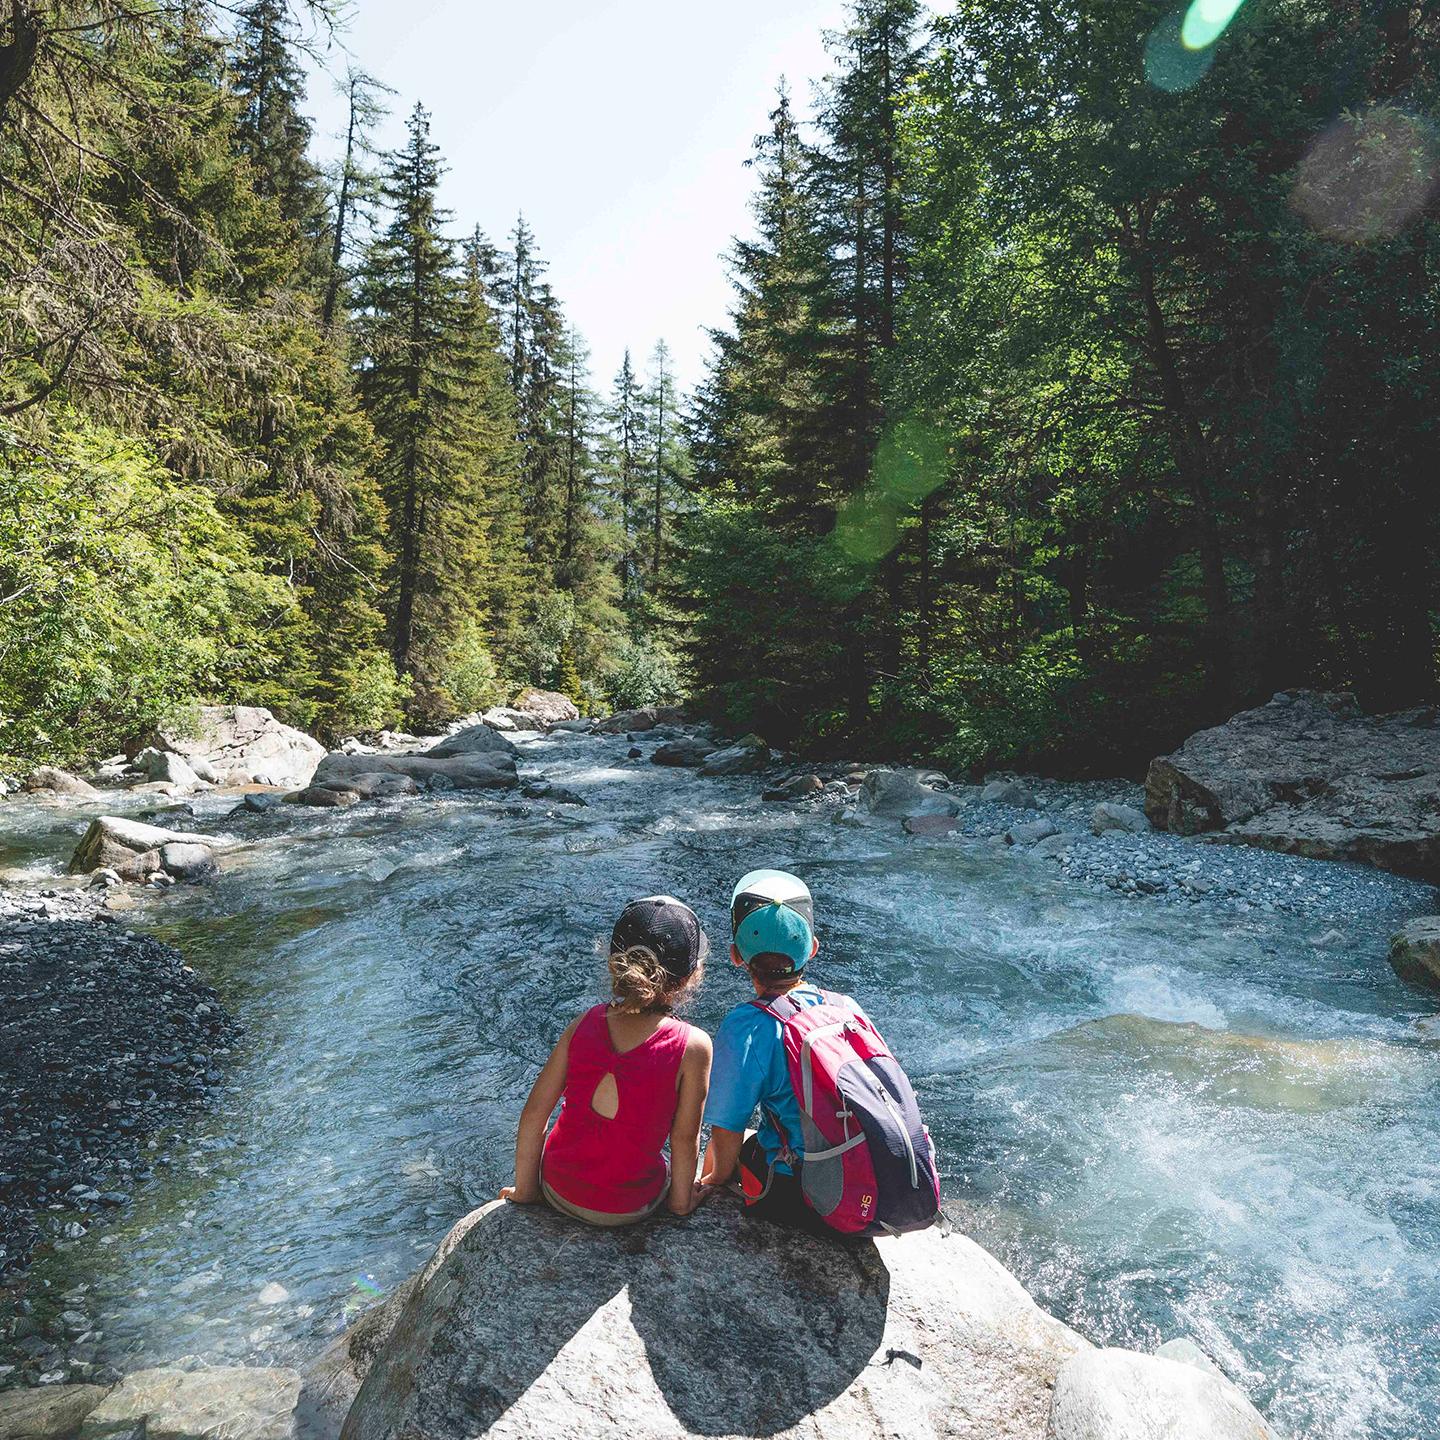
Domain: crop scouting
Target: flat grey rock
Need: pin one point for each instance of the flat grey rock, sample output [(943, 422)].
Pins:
[(1310, 774), (224, 1403)]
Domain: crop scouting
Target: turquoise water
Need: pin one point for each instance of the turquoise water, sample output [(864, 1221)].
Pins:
[(1166, 1120)]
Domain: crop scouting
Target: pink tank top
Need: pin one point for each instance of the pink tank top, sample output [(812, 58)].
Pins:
[(615, 1166)]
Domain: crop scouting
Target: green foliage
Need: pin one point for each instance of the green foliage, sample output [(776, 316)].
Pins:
[(125, 594), (647, 672)]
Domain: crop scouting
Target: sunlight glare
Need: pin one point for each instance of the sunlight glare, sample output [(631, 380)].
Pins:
[(1207, 21)]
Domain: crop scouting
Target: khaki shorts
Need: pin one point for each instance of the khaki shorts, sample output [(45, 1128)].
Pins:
[(603, 1218)]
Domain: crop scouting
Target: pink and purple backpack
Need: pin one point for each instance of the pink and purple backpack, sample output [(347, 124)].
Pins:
[(869, 1165)]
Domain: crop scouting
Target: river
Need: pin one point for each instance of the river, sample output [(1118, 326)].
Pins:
[(1165, 1119)]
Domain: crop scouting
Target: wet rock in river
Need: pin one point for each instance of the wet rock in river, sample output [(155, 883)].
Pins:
[(746, 756), (1031, 832), (48, 1412), (893, 1337), (223, 1403), (1415, 951), (688, 752), (475, 740), (114, 842), (466, 770), (188, 862), (898, 795), (167, 767), (798, 787), (51, 779), (626, 722), (1123, 1395)]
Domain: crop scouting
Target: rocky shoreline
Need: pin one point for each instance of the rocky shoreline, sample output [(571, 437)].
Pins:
[(113, 1042), (109, 1042)]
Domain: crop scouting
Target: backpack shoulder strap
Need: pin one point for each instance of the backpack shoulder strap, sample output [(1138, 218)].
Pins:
[(780, 1007)]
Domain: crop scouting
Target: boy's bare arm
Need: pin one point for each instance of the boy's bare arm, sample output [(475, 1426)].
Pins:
[(545, 1095)]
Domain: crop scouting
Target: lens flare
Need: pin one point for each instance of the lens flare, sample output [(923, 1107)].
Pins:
[(1169, 63), (1206, 21), (1368, 175)]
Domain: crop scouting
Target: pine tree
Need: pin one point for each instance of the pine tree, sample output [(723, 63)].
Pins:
[(273, 133), (357, 186), (625, 422), (666, 467), (494, 453), (424, 386)]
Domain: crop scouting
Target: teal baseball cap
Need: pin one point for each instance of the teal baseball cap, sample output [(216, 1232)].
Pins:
[(770, 916)]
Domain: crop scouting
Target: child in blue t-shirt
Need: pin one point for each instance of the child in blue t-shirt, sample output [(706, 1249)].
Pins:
[(772, 918)]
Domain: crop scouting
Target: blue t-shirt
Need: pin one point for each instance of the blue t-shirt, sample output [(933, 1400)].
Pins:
[(750, 1070)]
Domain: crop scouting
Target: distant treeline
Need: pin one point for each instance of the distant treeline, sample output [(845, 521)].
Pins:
[(1080, 387), (268, 432)]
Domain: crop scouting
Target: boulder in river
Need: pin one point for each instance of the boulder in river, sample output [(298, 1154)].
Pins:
[(627, 722), (52, 779), (475, 740), (243, 744), (1123, 1395), (746, 756), (188, 861), (166, 767), (113, 841), (227, 1402), (687, 752), (545, 708), (899, 795), (474, 770), (525, 1323), (797, 787), (1310, 774), (1415, 951)]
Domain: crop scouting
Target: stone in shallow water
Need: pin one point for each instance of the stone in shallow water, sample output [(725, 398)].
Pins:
[(52, 1412), (1415, 951), (526, 1324), (225, 1403)]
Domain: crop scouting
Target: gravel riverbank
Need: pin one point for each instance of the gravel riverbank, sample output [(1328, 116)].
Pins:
[(107, 1040)]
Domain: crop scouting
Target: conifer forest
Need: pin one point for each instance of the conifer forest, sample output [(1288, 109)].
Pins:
[(1080, 386)]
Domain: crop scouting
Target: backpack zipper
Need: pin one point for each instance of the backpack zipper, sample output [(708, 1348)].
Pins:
[(905, 1136), (806, 1072)]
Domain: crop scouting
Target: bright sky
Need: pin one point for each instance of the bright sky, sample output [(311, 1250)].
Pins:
[(620, 128)]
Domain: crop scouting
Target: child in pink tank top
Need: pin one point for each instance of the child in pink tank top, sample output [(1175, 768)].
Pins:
[(628, 1076)]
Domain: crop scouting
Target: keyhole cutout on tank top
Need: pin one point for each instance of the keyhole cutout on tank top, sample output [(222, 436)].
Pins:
[(605, 1102)]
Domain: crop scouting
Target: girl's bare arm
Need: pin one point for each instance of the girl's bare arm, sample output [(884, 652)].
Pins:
[(685, 1132), (545, 1095)]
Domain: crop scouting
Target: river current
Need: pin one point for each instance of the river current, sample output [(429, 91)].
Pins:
[(1167, 1120)]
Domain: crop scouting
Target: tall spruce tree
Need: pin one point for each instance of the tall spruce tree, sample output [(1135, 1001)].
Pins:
[(422, 382), (625, 422)]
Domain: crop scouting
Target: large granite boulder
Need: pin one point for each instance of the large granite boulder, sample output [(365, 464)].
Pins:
[(1310, 774), (1123, 1395), (241, 744), (474, 740), (223, 1403), (115, 842), (50, 779), (625, 722), (545, 708), (526, 1324), (474, 770), (899, 795)]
